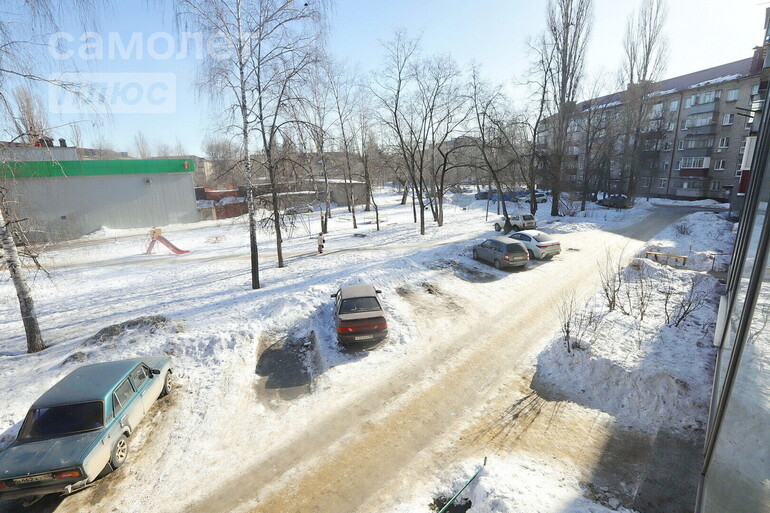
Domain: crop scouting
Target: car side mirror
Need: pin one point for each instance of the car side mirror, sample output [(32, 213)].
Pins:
[(155, 371)]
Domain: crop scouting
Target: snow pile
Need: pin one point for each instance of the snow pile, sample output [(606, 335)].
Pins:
[(648, 361), (718, 80), (513, 484), (705, 238)]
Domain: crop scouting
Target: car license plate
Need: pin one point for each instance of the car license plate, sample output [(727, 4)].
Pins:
[(364, 337), (32, 479)]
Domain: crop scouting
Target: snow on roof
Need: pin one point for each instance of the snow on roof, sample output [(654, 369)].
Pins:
[(702, 78), (717, 80)]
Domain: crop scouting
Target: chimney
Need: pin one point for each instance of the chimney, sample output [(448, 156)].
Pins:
[(62, 142)]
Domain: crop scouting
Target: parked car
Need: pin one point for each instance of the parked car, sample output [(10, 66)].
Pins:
[(482, 195), (502, 252), (80, 427), (359, 315), (539, 245), (518, 222), (507, 195), (298, 209), (615, 201), (539, 198)]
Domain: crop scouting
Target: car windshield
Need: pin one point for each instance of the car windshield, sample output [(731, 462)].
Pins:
[(62, 420), (528, 217), (359, 304), (515, 248), (541, 237)]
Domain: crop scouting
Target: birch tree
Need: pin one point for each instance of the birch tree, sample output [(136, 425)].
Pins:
[(23, 37), (266, 45)]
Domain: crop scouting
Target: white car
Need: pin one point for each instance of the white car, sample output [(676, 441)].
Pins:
[(539, 245), (518, 222)]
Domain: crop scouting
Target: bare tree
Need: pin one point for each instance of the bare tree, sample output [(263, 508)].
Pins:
[(269, 45), (342, 85), (644, 47), (598, 131), (490, 119), (410, 89), (21, 44), (30, 116), (539, 79), (224, 156), (568, 28), (142, 145)]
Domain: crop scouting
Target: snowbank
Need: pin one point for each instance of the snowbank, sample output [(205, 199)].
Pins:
[(705, 238), (649, 362), (514, 483)]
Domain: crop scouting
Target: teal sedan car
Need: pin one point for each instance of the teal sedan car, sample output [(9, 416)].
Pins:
[(80, 427)]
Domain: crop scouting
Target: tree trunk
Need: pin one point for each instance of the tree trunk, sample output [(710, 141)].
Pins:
[(26, 304)]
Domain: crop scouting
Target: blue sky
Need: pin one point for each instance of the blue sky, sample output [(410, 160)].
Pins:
[(493, 33)]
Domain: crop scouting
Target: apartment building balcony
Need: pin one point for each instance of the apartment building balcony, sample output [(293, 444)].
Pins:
[(696, 152), (704, 107), (702, 130), (694, 172)]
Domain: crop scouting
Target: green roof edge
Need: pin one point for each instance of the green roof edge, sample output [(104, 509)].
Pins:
[(68, 168)]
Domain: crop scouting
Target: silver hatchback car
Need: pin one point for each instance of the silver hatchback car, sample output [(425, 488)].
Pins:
[(502, 252)]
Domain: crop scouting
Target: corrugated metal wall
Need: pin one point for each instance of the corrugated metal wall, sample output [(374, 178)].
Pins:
[(71, 207)]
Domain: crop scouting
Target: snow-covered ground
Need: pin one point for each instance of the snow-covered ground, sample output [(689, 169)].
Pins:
[(654, 367), (200, 308)]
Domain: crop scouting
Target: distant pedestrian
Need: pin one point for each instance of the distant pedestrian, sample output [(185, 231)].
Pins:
[(321, 242)]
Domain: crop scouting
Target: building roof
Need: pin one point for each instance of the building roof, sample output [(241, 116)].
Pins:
[(703, 78), (88, 383), (69, 168)]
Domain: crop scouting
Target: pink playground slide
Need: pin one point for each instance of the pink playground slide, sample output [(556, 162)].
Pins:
[(155, 236)]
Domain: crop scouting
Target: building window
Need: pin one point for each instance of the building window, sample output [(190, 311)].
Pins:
[(680, 146), (694, 163), (716, 185), (701, 98), (742, 149), (645, 181), (667, 146), (673, 106), (724, 142), (719, 165), (664, 165), (678, 165), (670, 126), (657, 110), (651, 145), (754, 89), (738, 173), (732, 95), (693, 144), (728, 119), (662, 183), (699, 120)]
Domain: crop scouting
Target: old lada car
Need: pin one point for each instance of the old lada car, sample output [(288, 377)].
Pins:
[(80, 427)]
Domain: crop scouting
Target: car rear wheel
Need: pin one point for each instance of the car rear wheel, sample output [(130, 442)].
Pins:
[(119, 452), (497, 264), (498, 227), (531, 254), (166, 385), (475, 255)]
